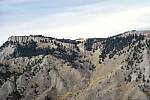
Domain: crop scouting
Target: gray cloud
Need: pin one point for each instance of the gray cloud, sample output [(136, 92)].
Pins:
[(69, 17)]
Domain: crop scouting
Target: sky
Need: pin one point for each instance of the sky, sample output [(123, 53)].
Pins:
[(72, 18)]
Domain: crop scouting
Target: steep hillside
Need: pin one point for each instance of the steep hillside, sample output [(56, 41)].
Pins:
[(44, 68)]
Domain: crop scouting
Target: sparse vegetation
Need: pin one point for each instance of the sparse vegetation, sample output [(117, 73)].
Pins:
[(113, 45), (89, 43), (58, 71)]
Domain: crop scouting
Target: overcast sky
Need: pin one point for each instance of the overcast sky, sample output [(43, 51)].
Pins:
[(72, 18)]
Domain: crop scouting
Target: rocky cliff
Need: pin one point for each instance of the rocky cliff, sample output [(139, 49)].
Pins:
[(44, 68)]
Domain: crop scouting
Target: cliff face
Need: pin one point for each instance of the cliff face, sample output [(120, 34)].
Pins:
[(41, 39), (45, 68), (35, 38)]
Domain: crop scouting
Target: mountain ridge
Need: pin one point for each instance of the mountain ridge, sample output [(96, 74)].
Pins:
[(43, 68)]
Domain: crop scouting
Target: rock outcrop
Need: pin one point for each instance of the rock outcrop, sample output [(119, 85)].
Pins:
[(44, 68)]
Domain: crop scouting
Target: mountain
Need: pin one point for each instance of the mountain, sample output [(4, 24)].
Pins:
[(36, 67)]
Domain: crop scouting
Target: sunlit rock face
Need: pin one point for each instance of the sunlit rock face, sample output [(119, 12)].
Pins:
[(44, 68)]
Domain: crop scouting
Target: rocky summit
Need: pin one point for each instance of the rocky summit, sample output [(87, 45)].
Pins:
[(36, 67)]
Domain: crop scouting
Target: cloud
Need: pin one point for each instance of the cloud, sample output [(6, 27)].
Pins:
[(84, 23), (72, 19)]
